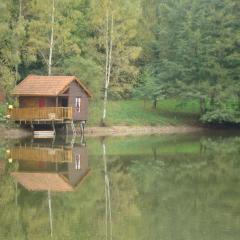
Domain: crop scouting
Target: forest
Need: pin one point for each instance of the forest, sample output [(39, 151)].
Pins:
[(188, 50)]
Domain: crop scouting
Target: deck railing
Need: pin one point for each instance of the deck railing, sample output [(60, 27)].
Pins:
[(43, 113), (41, 154)]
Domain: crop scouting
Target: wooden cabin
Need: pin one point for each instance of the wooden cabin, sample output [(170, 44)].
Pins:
[(50, 99)]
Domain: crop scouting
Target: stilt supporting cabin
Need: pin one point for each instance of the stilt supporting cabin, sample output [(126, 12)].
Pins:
[(51, 101)]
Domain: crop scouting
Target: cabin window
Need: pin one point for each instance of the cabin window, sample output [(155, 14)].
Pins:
[(77, 161), (78, 104)]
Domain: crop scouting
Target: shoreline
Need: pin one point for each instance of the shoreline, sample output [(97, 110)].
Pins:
[(139, 130), (13, 133), (16, 133)]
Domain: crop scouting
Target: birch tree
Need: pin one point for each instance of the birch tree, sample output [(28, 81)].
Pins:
[(109, 45), (20, 35), (51, 40), (50, 34)]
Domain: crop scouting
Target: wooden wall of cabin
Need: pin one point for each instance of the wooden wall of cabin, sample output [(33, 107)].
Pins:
[(76, 91), (28, 102), (79, 168)]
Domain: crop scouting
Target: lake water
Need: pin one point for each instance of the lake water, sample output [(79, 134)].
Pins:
[(174, 187)]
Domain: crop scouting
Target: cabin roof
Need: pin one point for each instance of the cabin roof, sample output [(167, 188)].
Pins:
[(35, 85), (43, 181)]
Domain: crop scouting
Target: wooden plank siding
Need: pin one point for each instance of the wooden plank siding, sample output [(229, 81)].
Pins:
[(76, 91), (44, 113), (27, 102)]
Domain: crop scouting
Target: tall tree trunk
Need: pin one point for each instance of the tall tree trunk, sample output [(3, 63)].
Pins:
[(202, 101), (51, 40), (155, 103), (106, 68), (17, 39), (212, 100), (109, 45)]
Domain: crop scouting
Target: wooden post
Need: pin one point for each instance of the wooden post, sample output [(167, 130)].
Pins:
[(82, 123), (66, 129), (57, 101), (54, 130)]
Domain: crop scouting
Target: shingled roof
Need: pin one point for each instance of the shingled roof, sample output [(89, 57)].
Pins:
[(35, 85), (43, 181)]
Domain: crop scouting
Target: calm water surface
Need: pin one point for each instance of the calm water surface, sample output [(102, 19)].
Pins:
[(176, 187)]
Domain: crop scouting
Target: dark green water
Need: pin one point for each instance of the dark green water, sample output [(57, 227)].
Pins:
[(175, 187)]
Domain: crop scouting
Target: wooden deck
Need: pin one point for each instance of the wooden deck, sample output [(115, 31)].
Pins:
[(46, 114), (38, 154)]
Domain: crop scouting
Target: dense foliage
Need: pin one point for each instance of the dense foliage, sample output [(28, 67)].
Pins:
[(191, 50), (184, 48)]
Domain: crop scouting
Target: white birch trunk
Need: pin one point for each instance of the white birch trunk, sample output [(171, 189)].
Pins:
[(106, 68), (109, 43), (17, 46), (51, 40), (110, 53)]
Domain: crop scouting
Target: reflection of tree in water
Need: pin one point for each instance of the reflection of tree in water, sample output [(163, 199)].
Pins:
[(120, 198), (191, 197), (107, 196), (75, 215), (163, 196), (9, 212), (34, 201)]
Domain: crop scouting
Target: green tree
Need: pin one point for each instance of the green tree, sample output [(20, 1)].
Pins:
[(192, 53)]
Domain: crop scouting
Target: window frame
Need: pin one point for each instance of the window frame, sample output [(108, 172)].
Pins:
[(78, 162), (78, 104)]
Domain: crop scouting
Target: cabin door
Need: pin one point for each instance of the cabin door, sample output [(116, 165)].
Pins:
[(41, 102)]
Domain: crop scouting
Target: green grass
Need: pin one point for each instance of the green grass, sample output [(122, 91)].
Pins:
[(135, 113)]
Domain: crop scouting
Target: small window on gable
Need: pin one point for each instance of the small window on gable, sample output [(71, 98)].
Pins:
[(77, 161), (78, 104)]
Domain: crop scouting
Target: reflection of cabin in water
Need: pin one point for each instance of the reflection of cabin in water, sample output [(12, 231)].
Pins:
[(57, 169), (50, 99)]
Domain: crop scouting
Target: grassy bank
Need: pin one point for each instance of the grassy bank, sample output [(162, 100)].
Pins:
[(136, 113)]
